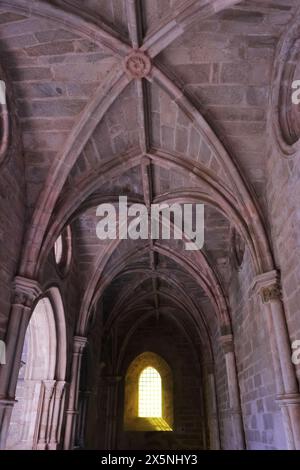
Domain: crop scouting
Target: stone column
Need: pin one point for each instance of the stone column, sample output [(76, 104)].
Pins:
[(112, 382), (57, 414), (278, 377), (25, 293), (234, 393), (84, 400), (288, 397), (72, 410), (212, 410), (6, 407), (45, 416)]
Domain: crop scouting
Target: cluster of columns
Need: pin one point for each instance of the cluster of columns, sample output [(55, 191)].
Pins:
[(211, 407), (112, 383), (235, 411), (53, 392), (84, 397), (288, 397), (72, 412), (25, 293), (51, 416), (267, 286)]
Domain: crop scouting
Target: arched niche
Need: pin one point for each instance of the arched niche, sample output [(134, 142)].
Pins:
[(36, 421), (132, 420)]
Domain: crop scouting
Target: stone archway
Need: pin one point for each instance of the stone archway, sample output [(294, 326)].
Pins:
[(37, 415)]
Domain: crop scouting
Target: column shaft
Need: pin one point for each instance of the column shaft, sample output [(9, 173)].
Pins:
[(26, 291), (57, 413), (72, 411), (288, 397), (234, 393), (213, 421)]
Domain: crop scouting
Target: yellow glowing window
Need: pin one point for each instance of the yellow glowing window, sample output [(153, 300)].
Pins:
[(150, 402)]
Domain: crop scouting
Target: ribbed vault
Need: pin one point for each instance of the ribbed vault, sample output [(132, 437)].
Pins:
[(122, 99)]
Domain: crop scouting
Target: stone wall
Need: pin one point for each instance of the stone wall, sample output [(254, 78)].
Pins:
[(261, 415), (283, 196), (12, 225)]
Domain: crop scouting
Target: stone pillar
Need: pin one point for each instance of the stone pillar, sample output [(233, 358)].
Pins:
[(288, 397), (234, 393), (84, 400), (6, 407), (112, 382), (212, 410), (26, 291), (45, 416), (72, 410), (58, 404)]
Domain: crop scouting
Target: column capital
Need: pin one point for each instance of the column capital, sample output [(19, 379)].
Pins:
[(60, 385), (79, 343), (227, 343), (25, 291), (268, 286), (48, 388), (49, 383)]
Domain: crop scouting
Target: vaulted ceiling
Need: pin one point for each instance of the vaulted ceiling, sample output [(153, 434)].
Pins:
[(184, 120)]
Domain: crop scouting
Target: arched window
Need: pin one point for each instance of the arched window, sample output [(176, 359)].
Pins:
[(148, 394)]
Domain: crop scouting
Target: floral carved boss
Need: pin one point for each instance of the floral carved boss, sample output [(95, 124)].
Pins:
[(137, 64)]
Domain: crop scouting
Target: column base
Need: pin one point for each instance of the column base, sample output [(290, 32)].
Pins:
[(289, 404), (6, 407)]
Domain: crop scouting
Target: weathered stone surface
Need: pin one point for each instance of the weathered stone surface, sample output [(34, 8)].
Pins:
[(52, 48), (58, 108)]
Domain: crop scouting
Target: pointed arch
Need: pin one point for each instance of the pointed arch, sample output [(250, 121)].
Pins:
[(144, 399), (41, 377)]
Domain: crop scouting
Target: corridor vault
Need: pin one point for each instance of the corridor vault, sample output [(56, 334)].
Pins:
[(173, 101)]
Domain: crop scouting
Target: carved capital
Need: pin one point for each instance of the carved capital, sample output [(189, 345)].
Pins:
[(270, 293), (137, 64), (25, 291), (227, 343), (48, 388), (60, 386), (268, 286), (79, 344)]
